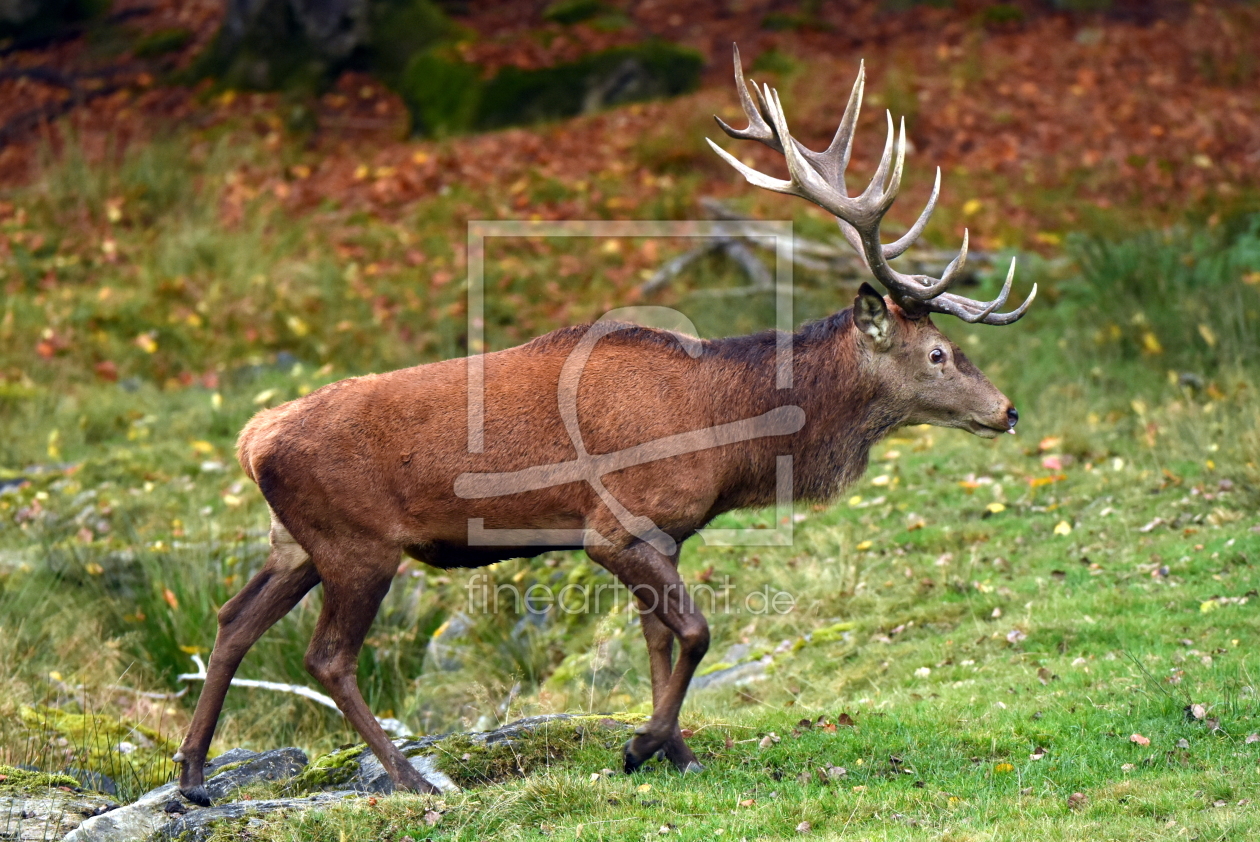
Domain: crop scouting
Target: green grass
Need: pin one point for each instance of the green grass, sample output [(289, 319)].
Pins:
[(966, 604)]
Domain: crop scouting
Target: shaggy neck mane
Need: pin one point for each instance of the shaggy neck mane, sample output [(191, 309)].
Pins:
[(845, 411)]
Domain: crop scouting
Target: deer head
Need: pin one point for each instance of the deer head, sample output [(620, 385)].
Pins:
[(925, 378), (933, 379)]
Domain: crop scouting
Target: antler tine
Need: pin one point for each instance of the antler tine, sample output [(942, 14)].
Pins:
[(876, 189), (758, 129), (909, 238), (834, 160), (976, 312)]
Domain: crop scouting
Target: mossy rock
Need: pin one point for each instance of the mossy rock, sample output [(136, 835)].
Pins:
[(136, 757), (327, 772), (441, 91), (521, 747), (574, 11), (651, 70), (478, 758), (402, 29)]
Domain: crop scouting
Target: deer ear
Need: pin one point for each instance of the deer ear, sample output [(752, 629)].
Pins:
[(871, 316)]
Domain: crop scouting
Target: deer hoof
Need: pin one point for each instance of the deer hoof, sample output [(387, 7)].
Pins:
[(633, 760), (411, 780), (692, 768), (197, 795)]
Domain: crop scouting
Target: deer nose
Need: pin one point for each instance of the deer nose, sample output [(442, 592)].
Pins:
[(1012, 418)]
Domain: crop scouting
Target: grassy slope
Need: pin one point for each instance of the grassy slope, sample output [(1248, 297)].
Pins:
[(118, 553)]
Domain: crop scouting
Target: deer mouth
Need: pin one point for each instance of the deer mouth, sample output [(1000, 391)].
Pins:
[(984, 431)]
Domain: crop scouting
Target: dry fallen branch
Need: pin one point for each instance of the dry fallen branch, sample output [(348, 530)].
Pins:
[(834, 259), (392, 725)]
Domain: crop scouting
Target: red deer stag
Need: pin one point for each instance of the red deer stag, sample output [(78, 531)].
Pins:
[(673, 431)]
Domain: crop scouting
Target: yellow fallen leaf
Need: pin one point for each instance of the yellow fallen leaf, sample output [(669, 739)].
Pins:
[(855, 500), (995, 508), (54, 675), (1209, 605), (203, 447), (862, 547), (93, 568), (1063, 528), (645, 787), (1209, 336), (1002, 768)]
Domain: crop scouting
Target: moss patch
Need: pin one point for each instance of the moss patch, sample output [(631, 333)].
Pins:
[(13, 780), (333, 769), (470, 761)]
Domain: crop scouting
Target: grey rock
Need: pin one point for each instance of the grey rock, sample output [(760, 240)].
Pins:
[(49, 814), (163, 815), (515, 729), (370, 776), (268, 766), (225, 775), (198, 825)]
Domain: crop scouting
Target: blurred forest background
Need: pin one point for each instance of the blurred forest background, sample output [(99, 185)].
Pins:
[(211, 206)]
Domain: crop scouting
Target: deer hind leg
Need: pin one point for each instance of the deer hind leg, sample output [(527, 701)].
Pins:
[(285, 578), (654, 580), (352, 596)]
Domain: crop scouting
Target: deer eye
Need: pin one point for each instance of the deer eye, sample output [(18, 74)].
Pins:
[(937, 356)]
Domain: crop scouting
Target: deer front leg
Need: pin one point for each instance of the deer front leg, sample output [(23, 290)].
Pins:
[(661, 594), (660, 643)]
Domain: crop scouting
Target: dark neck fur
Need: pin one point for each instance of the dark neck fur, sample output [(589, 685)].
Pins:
[(845, 412)]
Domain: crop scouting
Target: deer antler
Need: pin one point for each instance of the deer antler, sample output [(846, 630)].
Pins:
[(819, 178)]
